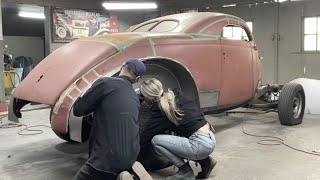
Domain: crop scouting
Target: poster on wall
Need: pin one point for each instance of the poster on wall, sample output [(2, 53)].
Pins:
[(69, 24)]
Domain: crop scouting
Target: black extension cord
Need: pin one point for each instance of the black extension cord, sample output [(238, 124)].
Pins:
[(273, 140), (27, 128)]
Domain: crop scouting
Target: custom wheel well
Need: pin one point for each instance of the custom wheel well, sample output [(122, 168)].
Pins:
[(180, 73)]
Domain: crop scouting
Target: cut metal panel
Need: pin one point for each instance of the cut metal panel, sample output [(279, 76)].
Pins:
[(75, 127), (81, 84), (90, 77), (152, 46), (208, 99), (59, 121)]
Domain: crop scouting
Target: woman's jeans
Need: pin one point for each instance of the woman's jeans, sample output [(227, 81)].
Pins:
[(199, 146)]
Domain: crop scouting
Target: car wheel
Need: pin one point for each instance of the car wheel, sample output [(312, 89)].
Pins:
[(148, 157), (291, 104), (85, 132), (62, 32)]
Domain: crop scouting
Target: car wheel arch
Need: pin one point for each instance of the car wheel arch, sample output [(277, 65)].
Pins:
[(180, 71)]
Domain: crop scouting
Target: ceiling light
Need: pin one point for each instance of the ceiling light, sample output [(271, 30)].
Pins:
[(280, 1), (128, 6), (229, 5), (34, 15)]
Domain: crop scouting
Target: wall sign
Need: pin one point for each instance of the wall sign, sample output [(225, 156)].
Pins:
[(68, 24)]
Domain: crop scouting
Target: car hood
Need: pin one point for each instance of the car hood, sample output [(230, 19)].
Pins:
[(48, 80)]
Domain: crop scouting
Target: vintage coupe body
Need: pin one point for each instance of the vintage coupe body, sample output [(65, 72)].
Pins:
[(212, 57)]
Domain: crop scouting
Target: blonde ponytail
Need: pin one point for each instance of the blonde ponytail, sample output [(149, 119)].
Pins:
[(169, 107), (152, 90)]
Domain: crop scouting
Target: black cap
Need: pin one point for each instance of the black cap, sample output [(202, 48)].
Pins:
[(136, 66)]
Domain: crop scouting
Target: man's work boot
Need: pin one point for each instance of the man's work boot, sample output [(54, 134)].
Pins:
[(185, 172), (207, 166), (125, 175), (140, 171)]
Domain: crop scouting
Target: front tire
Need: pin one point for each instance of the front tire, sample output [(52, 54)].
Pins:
[(291, 104)]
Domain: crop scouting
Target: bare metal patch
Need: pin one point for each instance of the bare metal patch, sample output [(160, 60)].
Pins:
[(208, 99)]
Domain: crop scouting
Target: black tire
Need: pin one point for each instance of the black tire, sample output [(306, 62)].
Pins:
[(291, 104), (85, 133), (148, 157)]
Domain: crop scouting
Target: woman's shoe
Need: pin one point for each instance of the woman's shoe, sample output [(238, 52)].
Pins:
[(125, 175), (185, 172), (140, 171), (207, 166)]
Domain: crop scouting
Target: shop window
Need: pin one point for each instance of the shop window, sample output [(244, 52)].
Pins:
[(236, 32), (312, 34)]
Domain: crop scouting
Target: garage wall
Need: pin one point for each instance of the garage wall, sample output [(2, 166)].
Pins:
[(291, 60), (129, 19), (26, 46), (291, 27)]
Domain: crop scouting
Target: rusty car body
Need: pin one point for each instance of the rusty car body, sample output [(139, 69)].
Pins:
[(188, 51)]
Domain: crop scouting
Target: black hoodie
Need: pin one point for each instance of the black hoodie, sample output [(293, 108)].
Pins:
[(191, 120), (114, 138)]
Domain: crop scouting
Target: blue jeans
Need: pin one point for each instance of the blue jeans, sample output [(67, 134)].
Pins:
[(197, 147)]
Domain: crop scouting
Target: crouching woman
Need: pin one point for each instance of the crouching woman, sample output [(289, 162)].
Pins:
[(195, 138)]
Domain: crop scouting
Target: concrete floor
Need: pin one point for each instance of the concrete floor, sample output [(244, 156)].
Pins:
[(46, 157)]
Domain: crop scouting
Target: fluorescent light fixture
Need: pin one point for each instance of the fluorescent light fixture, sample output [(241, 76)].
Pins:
[(229, 5), (34, 15), (129, 6), (280, 1)]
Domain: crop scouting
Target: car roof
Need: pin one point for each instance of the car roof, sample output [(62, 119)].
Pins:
[(188, 16), (185, 19)]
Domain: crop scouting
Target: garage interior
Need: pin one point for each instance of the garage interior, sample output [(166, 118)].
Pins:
[(252, 144)]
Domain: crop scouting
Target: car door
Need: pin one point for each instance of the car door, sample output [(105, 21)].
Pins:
[(236, 66)]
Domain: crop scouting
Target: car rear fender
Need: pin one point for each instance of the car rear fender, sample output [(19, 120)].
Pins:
[(62, 109)]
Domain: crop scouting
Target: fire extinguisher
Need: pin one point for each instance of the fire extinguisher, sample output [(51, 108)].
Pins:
[(114, 24)]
